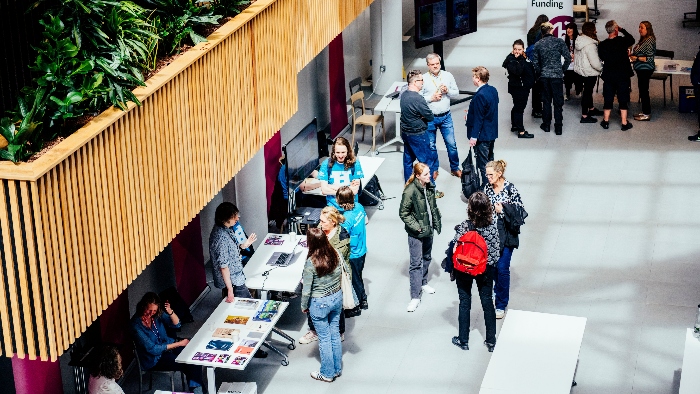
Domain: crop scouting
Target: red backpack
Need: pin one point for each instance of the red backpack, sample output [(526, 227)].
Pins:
[(471, 254)]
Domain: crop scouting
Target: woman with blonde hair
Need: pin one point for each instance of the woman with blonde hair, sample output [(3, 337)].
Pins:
[(642, 58), (510, 212), (421, 217)]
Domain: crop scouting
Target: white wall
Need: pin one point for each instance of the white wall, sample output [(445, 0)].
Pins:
[(357, 51)]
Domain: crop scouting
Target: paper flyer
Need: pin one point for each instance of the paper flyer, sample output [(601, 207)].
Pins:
[(226, 333), (246, 304), (219, 345), (236, 320), (239, 360)]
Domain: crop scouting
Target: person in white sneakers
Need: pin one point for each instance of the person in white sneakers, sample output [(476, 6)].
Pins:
[(421, 217)]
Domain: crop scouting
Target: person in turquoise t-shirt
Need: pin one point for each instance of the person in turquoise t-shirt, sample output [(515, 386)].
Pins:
[(354, 223), (342, 169)]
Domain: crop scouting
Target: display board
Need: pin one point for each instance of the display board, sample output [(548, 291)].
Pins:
[(560, 13), (440, 20)]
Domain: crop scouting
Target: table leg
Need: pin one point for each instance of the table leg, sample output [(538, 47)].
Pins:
[(397, 138), (211, 380), (284, 335), (285, 360)]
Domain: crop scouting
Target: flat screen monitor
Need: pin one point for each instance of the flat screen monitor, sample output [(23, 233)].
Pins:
[(302, 156), (441, 20)]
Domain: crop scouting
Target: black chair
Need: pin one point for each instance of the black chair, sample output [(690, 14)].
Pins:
[(660, 76), (169, 373)]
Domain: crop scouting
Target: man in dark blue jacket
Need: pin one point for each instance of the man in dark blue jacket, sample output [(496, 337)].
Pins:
[(695, 80), (482, 119), (547, 59)]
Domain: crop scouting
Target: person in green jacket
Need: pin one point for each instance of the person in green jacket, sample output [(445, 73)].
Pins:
[(421, 216)]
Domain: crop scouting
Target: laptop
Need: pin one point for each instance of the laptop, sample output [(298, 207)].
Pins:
[(309, 216), (281, 259)]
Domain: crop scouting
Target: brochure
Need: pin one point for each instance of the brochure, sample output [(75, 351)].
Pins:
[(271, 306), (243, 350), (223, 358), (254, 335), (264, 316), (272, 240), (249, 343), (226, 333), (236, 320), (258, 326), (246, 304), (219, 345), (203, 357), (239, 360)]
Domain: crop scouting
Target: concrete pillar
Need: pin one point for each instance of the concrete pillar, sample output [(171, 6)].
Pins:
[(387, 51)]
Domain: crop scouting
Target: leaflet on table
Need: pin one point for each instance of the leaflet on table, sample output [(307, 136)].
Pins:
[(274, 240)]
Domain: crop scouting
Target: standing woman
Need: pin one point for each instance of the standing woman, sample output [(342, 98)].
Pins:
[(534, 35), (570, 76), (339, 238), (511, 214), (480, 219), (642, 57), (588, 66), (354, 223), (341, 169), (421, 217), (322, 299), (521, 78)]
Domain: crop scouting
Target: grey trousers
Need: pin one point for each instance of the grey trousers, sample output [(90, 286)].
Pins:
[(420, 250)]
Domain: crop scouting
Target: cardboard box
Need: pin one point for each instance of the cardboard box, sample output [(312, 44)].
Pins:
[(238, 388)]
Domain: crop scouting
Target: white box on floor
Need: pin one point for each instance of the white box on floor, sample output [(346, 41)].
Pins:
[(238, 388)]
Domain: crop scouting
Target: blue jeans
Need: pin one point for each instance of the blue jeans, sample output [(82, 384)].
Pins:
[(325, 313), (417, 147), (444, 123), (502, 279)]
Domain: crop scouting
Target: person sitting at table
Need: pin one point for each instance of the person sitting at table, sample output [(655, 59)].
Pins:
[(106, 368), (322, 300), (279, 207), (156, 350), (341, 169), (340, 240), (355, 225)]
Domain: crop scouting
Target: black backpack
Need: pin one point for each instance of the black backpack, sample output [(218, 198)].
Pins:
[(375, 189), (470, 179)]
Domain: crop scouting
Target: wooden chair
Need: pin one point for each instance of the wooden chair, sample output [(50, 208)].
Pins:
[(365, 119), (150, 386), (355, 86), (660, 76), (582, 9)]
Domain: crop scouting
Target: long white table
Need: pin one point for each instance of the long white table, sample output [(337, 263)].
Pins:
[(690, 379), (265, 277), (251, 334), (536, 353), (370, 165), (682, 68), (392, 105)]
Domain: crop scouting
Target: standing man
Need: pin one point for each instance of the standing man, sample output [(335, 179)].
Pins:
[(695, 80), (547, 59), (617, 71), (415, 115), (438, 86), (482, 120)]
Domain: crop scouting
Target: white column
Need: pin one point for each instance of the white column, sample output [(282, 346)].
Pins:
[(251, 199), (387, 51)]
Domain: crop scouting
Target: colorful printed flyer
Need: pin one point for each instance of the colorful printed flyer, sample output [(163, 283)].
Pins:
[(246, 304), (236, 320), (203, 357), (223, 358), (264, 316), (219, 345), (243, 350), (239, 360), (226, 333), (274, 241)]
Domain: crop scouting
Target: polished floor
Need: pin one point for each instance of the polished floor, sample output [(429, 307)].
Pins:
[(612, 236)]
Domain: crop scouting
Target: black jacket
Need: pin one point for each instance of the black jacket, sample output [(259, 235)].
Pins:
[(613, 53), (509, 226), (521, 73)]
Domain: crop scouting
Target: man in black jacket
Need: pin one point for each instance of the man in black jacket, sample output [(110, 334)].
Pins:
[(547, 59), (695, 80), (617, 72), (521, 77)]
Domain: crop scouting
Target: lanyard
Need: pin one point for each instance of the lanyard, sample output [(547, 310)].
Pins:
[(154, 329), (432, 78)]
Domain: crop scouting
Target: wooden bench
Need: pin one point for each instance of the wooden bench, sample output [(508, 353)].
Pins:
[(536, 353)]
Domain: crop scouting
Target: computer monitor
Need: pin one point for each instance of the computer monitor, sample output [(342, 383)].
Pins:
[(302, 155), (441, 20)]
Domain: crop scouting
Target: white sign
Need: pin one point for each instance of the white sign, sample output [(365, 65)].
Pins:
[(560, 13)]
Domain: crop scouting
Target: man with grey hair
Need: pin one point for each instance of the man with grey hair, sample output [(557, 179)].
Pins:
[(617, 71), (438, 86), (547, 59)]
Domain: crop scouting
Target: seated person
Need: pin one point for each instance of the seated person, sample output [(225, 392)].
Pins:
[(105, 369), (279, 207), (341, 169), (155, 349)]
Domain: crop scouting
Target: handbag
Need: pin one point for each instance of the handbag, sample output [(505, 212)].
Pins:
[(470, 180), (349, 297)]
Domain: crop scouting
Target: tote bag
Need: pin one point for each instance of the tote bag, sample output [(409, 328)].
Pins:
[(349, 298)]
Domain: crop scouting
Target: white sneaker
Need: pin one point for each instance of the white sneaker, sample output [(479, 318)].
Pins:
[(428, 289), (500, 313), (308, 338), (413, 305), (342, 337)]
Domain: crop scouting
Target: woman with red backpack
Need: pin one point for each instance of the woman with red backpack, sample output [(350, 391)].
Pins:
[(469, 257)]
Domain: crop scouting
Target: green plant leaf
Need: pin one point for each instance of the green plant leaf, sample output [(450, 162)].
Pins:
[(67, 49), (85, 67), (7, 129)]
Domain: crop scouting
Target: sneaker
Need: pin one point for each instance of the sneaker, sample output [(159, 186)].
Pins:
[(413, 305), (308, 338), (338, 374), (626, 126), (342, 337), (595, 112), (317, 375), (428, 289), (356, 311), (500, 313), (566, 98), (588, 119), (694, 138), (490, 346), (642, 117), (544, 127), (537, 114), (460, 344), (439, 194), (604, 124), (557, 130), (525, 134), (364, 305)]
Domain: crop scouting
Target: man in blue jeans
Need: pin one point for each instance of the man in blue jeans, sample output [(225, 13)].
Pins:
[(482, 120), (415, 116), (438, 86)]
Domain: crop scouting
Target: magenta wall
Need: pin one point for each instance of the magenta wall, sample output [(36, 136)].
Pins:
[(273, 152), (36, 377), (336, 84)]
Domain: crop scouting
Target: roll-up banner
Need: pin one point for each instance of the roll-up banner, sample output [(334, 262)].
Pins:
[(560, 13)]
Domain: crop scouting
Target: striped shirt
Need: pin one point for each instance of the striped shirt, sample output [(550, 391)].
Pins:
[(645, 48)]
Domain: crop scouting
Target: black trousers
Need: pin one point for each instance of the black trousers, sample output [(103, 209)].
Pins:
[(484, 154), (572, 79), (552, 93), (587, 95), (167, 363), (616, 86), (697, 103), (484, 283), (520, 96), (643, 77), (537, 97)]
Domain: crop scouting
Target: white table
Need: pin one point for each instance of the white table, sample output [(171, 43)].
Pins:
[(536, 353), (265, 277), (680, 64), (248, 330), (392, 105), (690, 379), (370, 165)]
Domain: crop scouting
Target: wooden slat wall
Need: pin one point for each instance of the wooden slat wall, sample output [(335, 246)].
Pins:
[(82, 222)]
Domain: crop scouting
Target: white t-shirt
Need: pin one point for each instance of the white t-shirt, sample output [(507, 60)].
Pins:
[(102, 385)]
